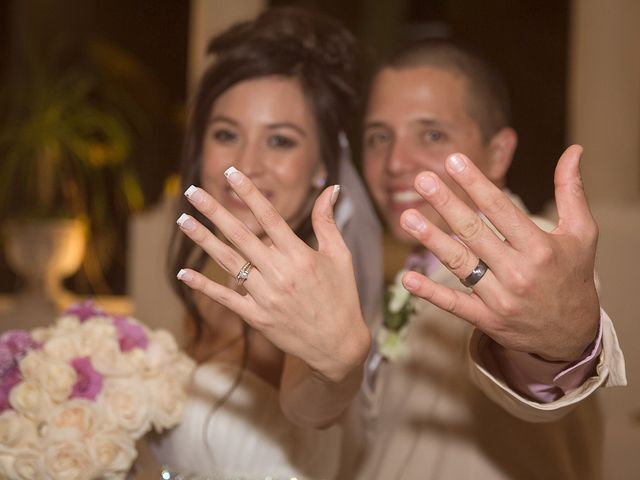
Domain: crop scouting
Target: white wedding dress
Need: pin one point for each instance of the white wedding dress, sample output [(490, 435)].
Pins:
[(248, 436)]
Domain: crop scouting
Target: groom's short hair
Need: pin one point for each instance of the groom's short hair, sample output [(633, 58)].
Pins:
[(488, 102)]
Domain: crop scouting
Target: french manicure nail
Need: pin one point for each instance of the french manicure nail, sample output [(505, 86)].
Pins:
[(457, 162), (184, 275), (186, 222), (428, 184), (194, 194), (334, 194), (414, 222), (233, 176)]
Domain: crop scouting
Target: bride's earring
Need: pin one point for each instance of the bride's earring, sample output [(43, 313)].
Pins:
[(319, 182)]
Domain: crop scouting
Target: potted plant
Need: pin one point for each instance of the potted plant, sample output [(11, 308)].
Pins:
[(64, 144)]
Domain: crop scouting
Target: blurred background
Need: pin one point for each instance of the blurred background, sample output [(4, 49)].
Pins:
[(93, 100)]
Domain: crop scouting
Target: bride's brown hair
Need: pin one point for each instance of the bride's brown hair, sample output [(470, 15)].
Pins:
[(316, 50)]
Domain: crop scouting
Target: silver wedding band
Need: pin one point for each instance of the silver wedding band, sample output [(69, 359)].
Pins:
[(243, 274), (475, 276)]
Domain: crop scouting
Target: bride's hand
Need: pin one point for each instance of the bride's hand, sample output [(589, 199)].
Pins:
[(304, 301)]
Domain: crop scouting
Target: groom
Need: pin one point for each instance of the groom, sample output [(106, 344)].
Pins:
[(500, 375)]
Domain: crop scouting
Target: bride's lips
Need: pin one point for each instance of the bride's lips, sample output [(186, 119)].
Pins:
[(401, 199)]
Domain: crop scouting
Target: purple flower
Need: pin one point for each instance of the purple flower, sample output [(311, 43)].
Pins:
[(421, 261), (9, 380), (84, 310), (130, 334), (14, 345), (89, 383)]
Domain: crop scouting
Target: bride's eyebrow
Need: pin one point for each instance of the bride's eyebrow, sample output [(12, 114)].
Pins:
[(222, 118), (287, 125)]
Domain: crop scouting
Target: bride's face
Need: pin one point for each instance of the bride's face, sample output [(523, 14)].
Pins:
[(265, 128)]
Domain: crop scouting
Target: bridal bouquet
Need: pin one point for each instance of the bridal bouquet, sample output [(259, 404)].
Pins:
[(75, 396)]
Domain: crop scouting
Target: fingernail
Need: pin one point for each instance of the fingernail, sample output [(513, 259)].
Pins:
[(414, 222), (194, 194), (334, 194), (411, 282), (186, 222), (233, 176), (457, 162), (428, 184), (184, 275)]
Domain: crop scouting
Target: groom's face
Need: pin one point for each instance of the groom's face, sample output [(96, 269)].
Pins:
[(415, 118)]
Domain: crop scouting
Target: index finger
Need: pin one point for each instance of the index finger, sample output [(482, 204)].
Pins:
[(276, 228), (511, 221)]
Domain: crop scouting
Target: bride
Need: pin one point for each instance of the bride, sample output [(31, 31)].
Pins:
[(274, 257)]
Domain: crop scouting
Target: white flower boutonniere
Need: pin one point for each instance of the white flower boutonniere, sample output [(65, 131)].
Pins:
[(392, 335)]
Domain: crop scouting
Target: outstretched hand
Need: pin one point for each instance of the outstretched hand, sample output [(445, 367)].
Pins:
[(304, 301), (539, 294)]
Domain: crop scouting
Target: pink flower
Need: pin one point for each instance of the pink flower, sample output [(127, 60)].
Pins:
[(84, 310), (9, 380), (130, 334), (89, 383), (14, 344)]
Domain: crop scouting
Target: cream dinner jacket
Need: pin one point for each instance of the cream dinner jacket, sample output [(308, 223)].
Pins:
[(441, 414)]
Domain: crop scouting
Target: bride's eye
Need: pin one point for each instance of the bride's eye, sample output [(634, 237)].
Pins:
[(281, 141), (376, 139), (224, 135)]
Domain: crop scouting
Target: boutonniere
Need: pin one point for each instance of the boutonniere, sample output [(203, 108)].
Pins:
[(391, 338), (400, 307)]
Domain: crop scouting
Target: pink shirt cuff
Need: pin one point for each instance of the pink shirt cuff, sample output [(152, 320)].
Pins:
[(538, 379)]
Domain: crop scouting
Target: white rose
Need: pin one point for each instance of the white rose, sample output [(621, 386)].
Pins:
[(57, 379), (68, 460), (28, 465), (78, 414), (15, 430), (64, 348), (31, 364), (98, 338), (113, 451), (399, 295), (29, 398), (67, 323), (127, 405), (168, 396)]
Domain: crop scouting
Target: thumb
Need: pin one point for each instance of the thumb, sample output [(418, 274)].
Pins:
[(571, 201), (324, 224)]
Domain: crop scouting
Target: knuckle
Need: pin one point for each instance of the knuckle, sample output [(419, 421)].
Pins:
[(470, 229), (262, 323), (543, 255), (239, 235), (450, 303), (199, 235), (270, 301), (520, 284), (592, 232), (458, 260), (270, 217), (441, 198), (227, 260), (497, 204), (208, 207), (507, 307)]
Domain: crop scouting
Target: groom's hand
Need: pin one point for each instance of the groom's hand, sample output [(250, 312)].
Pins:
[(538, 294)]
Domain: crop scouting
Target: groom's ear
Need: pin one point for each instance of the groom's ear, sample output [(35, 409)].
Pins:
[(502, 147)]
